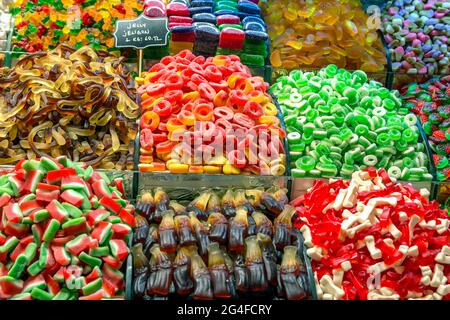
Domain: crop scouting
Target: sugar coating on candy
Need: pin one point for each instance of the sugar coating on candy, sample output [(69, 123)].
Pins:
[(50, 249), (338, 122), (232, 243), (417, 33), (42, 27), (63, 109), (224, 18), (208, 116), (430, 102), (373, 239), (313, 34)]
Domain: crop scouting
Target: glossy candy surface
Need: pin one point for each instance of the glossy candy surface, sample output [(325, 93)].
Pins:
[(208, 116), (64, 232), (373, 239), (230, 252), (313, 34), (338, 122), (81, 104)]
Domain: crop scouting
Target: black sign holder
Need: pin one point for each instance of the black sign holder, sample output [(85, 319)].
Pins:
[(141, 33)]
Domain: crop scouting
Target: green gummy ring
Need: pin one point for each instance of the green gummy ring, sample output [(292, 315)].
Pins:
[(327, 167), (379, 111), (408, 135), (322, 149), (401, 145), (370, 160), (395, 172), (410, 120), (383, 139), (295, 97), (353, 139), (294, 137), (306, 163), (361, 129), (395, 134), (325, 159), (408, 162), (331, 70)]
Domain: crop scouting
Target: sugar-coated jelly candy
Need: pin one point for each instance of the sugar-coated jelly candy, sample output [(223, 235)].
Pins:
[(177, 9), (202, 3), (231, 38), (204, 17), (228, 19), (180, 19), (252, 35), (196, 10)]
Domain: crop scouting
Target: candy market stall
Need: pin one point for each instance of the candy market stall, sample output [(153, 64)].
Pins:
[(267, 150)]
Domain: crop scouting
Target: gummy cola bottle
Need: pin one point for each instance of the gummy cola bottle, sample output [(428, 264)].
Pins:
[(269, 257), (202, 278), (141, 230), (160, 272), (228, 208), (152, 238), (283, 228), (220, 277), (255, 265), (167, 234), (241, 274), (289, 272), (238, 230), (218, 227), (162, 204), (213, 203), (201, 234), (199, 205), (146, 205), (263, 224), (140, 266), (181, 274), (183, 229)]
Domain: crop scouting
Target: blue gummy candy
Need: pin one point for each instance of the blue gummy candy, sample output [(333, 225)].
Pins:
[(253, 18), (248, 7), (196, 10), (256, 35), (207, 32), (204, 17), (224, 11), (202, 3), (255, 26)]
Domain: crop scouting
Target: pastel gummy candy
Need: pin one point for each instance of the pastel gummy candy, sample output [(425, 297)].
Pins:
[(430, 102), (372, 239), (208, 115), (68, 111), (313, 34), (338, 122), (64, 232), (417, 33)]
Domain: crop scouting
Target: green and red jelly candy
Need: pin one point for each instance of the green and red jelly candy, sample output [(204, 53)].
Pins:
[(64, 230), (430, 101)]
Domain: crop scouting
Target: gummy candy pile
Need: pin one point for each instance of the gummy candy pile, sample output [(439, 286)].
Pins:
[(338, 122), (370, 238), (417, 32), (42, 25), (63, 232), (315, 33), (431, 102), (209, 27), (241, 244), (208, 116), (80, 104)]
